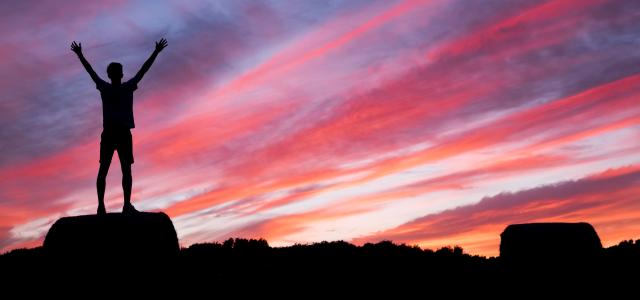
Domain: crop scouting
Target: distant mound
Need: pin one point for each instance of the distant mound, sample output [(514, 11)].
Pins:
[(549, 243), (137, 236)]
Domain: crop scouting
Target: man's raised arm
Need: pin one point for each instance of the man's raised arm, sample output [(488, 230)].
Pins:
[(147, 64), (77, 48)]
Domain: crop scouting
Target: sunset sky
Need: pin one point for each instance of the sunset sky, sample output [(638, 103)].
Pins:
[(429, 122)]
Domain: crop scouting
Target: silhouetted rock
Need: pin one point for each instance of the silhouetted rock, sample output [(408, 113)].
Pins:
[(549, 244), (140, 236)]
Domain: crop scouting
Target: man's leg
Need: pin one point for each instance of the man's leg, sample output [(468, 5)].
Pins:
[(126, 187), (125, 153), (100, 185), (106, 152), (126, 181)]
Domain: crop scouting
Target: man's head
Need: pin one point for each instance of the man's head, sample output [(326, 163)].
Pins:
[(114, 71)]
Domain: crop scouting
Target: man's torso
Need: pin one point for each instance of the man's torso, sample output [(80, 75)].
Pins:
[(117, 104)]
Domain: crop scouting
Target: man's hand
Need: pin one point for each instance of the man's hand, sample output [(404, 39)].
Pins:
[(77, 48), (161, 44)]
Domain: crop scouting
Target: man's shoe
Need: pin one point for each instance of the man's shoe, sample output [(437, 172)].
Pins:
[(129, 209)]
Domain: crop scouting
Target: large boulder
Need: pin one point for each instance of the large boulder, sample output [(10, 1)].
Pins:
[(545, 244), (139, 236)]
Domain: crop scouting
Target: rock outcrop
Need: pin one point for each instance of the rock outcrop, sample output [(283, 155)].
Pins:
[(549, 244), (139, 236)]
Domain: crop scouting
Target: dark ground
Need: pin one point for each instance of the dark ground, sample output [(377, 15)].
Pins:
[(335, 266)]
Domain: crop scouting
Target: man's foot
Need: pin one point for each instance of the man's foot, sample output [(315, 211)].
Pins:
[(129, 209), (101, 210)]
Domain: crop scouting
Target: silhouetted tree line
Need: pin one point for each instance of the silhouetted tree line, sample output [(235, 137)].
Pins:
[(338, 262)]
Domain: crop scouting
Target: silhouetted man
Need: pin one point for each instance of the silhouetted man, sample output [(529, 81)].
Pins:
[(117, 121)]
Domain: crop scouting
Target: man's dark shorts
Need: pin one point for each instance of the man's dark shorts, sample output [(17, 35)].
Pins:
[(116, 139)]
